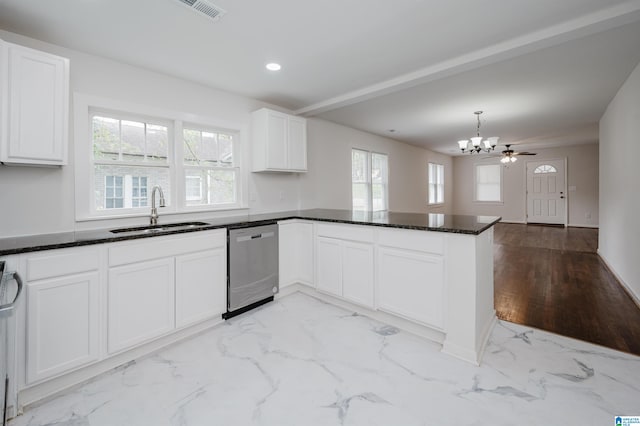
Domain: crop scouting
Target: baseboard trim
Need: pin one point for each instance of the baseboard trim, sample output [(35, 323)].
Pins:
[(581, 225), (518, 222), (404, 324), (623, 284)]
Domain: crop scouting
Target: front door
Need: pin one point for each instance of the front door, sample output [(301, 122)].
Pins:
[(546, 193)]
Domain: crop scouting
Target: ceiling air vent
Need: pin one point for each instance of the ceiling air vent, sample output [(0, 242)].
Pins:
[(204, 8)]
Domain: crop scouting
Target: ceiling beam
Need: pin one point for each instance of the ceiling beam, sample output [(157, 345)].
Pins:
[(576, 28)]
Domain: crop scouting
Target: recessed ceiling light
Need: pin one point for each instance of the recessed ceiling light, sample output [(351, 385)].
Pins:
[(272, 66)]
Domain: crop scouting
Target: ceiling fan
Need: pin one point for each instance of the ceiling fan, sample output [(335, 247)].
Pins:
[(511, 156)]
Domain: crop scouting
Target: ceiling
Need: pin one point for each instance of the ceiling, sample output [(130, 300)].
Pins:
[(543, 71)]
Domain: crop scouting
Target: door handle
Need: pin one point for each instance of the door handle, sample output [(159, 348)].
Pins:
[(10, 306)]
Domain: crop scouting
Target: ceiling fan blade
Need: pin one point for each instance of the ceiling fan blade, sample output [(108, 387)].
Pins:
[(525, 153)]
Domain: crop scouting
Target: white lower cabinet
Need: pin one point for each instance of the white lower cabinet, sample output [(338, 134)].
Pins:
[(200, 286), (329, 265), (140, 302), (357, 272), (84, 305), (411, 284), (157, 285), (295, 254), (344, 268), (62, 324)]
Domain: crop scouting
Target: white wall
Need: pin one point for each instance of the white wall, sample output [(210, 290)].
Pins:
[(328, 182), (582, 172), (619, 241), (41, 200)]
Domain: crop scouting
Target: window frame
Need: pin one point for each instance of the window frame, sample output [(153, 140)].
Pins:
[(438, 167), (475, 184), (369, 180), (86, 106), (134, 165)]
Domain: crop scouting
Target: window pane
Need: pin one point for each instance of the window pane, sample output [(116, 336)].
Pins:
[(360, 196), (378, 168), (132, 140), (359, 166), (378, 191), (157, 143), (114, 186), (192, 142), (488, 183), (194, 180), (436, 183), (222, 186), (106, 138), (200, 148), (225, 145)]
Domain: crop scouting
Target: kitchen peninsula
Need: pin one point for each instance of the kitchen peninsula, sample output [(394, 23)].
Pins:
[(430, 274)]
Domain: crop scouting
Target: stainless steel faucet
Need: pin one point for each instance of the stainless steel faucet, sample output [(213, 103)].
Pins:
[(154, 211)]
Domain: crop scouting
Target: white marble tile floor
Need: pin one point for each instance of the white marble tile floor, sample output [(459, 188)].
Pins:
[(300, 361)]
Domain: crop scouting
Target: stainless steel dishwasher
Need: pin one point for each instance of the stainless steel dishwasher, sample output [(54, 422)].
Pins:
[(253, 268), (7, 337)]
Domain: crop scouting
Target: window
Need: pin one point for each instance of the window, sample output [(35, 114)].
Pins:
[(129, 149), (488, 183), (128, 155), (436, 183), (194, 188), (369, 180), (138, 191), (545, 168), (125, 192), (113, 193), (210, 174)]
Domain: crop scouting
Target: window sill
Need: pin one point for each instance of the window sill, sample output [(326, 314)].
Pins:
[(191, 211), (489, 203)]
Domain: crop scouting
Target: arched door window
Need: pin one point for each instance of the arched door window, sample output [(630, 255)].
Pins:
[(545, 168)]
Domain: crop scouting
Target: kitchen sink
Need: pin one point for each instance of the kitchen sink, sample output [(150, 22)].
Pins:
[(154, 229)]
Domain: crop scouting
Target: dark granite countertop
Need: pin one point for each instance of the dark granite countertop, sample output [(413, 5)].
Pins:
[(459, 224)]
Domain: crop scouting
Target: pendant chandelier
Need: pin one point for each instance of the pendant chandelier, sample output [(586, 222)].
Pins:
[(476, 144)]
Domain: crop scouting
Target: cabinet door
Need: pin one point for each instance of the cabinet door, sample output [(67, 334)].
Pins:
[(357, 273), (329, 265), (141, 302), (287, 254), (411, 284), (38, 102), (305, 253), (62, 324), (276, 140), (297, 143), (201, 286)]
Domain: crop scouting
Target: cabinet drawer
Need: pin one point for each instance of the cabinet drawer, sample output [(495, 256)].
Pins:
[(424, 241), (57, 263), (160, 247), (346, 232)]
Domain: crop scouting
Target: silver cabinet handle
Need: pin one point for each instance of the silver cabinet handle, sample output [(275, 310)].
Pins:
[(10, 306)]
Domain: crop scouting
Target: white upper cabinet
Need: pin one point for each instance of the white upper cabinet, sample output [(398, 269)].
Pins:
[(279, 142), (34, 113)]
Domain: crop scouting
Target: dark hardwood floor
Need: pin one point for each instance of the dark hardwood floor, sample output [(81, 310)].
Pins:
[(551, 278)]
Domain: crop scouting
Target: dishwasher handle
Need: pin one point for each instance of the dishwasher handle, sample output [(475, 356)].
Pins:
[(10, 306), (254, 237)]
